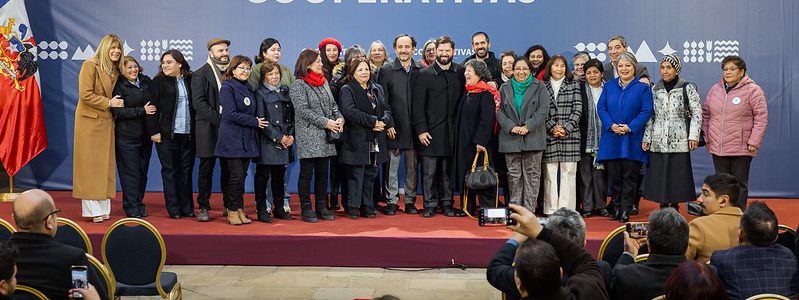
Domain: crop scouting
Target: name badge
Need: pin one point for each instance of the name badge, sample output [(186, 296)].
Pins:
[(247, 101), (736, 100)]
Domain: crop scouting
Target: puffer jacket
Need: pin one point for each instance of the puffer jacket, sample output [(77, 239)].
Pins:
[(732, 121)]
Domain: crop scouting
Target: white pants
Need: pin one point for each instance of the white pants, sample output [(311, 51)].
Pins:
[(95, 208), (566, 196)]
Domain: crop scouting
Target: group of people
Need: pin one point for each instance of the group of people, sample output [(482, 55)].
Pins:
[(725, 254), (540, 123)]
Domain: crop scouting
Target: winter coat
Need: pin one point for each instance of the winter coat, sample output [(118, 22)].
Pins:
[(163, 93), (130, 120), (435, 104), (493, 64), (238, 131), (535, 109), (205, 100), (361, 114), (473, 126), (313, 107), (631, 105), (586, 129), (255, 81), (398, 86), (666, 130), (277, 109), (733, 121), (564, 111)]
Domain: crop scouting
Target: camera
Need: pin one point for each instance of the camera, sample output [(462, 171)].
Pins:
[(495, 217), (637, 230), (80, 280)]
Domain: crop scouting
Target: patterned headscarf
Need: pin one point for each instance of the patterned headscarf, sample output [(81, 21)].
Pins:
[(674, 60)]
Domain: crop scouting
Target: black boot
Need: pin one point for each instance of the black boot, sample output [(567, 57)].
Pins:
[(624, 217), (263, 216), (634, 211), (334, 202), (322, 212), (307, 212)]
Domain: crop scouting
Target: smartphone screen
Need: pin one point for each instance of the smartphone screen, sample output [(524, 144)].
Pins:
[(80, 279)]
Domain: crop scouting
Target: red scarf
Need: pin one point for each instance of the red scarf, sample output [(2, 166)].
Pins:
[(482, 86), (314, 79)]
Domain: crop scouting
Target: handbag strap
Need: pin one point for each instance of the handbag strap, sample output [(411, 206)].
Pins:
[(466, 199), (485, 160), (687, 108)]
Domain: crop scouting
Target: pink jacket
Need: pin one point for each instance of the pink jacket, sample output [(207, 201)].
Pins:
[(733, 121)]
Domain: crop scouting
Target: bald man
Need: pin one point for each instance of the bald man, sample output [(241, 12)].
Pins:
[(43, 263)]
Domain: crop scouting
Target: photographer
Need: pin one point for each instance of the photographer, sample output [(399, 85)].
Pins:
[(667, 239)]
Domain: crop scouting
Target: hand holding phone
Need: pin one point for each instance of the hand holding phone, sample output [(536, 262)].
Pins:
[(80, 280), (495, 217)]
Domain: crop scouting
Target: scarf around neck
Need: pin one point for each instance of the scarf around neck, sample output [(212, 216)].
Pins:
[(482, 86), (217, 73), (314, 79), (518, 92)]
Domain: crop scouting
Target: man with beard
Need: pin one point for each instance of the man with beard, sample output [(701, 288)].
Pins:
[(205, 87), (480, 46), (435, 100), (397, 79)]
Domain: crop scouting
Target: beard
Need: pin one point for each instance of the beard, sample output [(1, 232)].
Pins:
[(479, 51), (444, 60)]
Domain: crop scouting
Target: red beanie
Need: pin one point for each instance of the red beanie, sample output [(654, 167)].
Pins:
[(329, 41)]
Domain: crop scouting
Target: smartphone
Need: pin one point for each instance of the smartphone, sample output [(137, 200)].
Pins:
[(637, 230), (495, 217), (695, 209), (80, 279)]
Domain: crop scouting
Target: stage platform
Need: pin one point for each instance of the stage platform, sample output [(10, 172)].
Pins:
[(402, 240)]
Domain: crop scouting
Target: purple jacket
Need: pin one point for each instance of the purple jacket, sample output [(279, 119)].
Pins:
[(733, 121)]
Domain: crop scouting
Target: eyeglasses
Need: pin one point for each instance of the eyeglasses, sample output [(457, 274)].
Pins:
[(431, 50), (521, 69), (245, 69), (55, 212)]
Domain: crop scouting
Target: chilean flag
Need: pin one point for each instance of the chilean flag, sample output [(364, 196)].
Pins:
[(22, 133)]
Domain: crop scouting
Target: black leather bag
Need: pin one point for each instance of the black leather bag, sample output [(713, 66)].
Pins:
[(481, 177), (332, 137)]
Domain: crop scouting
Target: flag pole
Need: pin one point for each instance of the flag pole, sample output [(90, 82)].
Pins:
[(10, 196)]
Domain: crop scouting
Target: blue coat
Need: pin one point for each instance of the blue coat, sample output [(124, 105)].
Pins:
[(632, 106), (238, 130)]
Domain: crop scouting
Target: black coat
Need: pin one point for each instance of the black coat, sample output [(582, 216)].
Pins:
[(205, 100), (642, 280), (435, 104), (361, 115), (163, 93), (130, 120), (399, 86), (45, 264), (473, 126), (494, 66), (276, 108)]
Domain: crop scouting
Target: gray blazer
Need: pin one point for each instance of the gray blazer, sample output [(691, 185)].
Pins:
[(313, 106), (535, 108)]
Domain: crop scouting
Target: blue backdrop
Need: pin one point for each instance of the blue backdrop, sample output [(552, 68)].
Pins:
[(764, 33)]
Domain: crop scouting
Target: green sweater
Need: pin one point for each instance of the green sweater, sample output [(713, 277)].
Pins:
[(286, 77)]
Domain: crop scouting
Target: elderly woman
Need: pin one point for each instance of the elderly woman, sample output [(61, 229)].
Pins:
[(364, 144), (93, 180), (578, 61), (269, 51), (428, 53), (506, 60), (377, 55), (317, 117), (132, 144), (593, 185), (563, 136), (624, 108), (539, 58), (238, 135), (522, 135), (671, 134), (735, 117), (474, 127)]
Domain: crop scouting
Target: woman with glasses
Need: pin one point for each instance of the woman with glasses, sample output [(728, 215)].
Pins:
[(734, 120), (238, 134), (428, 53)]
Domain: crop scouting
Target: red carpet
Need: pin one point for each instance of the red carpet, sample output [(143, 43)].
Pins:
[(387, 241)]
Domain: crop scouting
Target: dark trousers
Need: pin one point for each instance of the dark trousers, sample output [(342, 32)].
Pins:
[(315, 168), (205, 178), (177, 163), (263, 174), (592, 184), (435, 177), (133, 161), (234, 187), (623, 177), (360, 184), (338, 180), (487, 199), (737, 166)]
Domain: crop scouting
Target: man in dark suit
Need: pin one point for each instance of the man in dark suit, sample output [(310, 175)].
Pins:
[(667, 239), (439, 89), (205, 86), (758, 265), (43, 263), (480, 46)]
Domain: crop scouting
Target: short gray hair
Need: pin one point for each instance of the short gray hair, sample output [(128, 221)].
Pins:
[(581, 54), (480, 68), (349, 55), (629, 57), (568, 223), (619, 38), (668, 232)]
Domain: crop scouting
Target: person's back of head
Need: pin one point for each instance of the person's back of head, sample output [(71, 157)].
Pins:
[(568, 223), (693, 280), (759, 225), (8, 269), (668, 233), (537, 268), (34, 211)]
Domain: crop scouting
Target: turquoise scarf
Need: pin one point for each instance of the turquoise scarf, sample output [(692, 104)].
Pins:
[(518, 92)]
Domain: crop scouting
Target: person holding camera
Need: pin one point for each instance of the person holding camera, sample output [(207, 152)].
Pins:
[(718, 229)]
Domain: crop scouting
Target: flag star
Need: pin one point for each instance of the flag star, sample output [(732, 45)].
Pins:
[(11, 48)]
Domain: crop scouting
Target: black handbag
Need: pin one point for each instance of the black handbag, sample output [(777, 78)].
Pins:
[(481, 178), (332, 137), (688, 116)]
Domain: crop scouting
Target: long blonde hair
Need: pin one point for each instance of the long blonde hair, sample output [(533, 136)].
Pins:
[(102, 54)]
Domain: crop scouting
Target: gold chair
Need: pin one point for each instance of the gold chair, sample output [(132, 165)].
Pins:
[(6, 230), (70, 233), (786, 237), (661, 297), (642, 258), (105, 275), (26, 292), (768, 297)]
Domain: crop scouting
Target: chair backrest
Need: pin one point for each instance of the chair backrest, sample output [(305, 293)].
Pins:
[(70, 233), (106, 277), (787, 237), (6, 230), (661, 297), (768, 297), (134, 251), (28, 293), (613, 246)]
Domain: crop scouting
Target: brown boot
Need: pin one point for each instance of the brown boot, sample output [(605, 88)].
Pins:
[(243, 217), (233, 217)]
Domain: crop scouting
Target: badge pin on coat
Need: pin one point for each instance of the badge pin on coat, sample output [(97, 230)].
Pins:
[(736, 100), (247, 101)]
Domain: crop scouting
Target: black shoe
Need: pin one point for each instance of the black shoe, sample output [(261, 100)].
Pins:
[(175, 216), (603, 212), (634, 211), (323, 213), (449, 212), (282, 215), (189, 215), (624, 218), (391, 209), (263, 216), (353, 213), (588, 215), (461, 213), (410, 209), (429, 212), (369, 212), (308, 216), (333, 203), (617, 215), (203, 215)]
